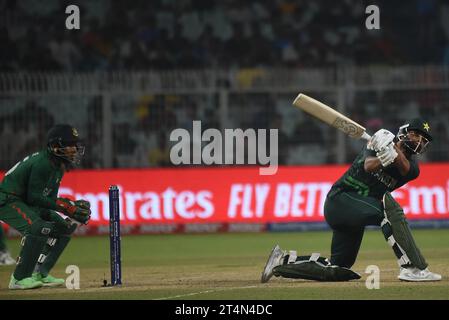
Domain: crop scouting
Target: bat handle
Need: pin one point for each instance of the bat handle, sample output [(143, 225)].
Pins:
[(365, 136)]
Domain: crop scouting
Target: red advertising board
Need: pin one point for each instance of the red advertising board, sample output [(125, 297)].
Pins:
[(213, 196)]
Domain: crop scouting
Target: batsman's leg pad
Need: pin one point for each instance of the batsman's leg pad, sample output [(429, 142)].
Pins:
[(316, 268), (398, 234)]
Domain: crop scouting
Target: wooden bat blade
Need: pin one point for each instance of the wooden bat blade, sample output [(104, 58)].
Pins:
[(330, 116)]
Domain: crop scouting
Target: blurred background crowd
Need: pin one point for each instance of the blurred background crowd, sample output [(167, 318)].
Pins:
[(164, 34), (250, 37)]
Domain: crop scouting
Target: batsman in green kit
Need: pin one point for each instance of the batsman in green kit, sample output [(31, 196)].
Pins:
[(29, 203), (360, 198)]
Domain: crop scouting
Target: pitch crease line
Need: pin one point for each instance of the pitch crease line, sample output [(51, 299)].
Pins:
[(206, 291)]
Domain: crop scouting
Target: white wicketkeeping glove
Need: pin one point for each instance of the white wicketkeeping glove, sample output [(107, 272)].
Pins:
[(387, 155), (380, 140)]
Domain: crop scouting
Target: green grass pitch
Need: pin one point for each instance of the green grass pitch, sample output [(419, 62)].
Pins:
[(228, 266)]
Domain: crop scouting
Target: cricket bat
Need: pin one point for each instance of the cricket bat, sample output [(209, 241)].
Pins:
[(330, 116)]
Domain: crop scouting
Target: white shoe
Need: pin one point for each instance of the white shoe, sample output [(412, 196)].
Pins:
[(274, 260), (6, 259), (415, 274)]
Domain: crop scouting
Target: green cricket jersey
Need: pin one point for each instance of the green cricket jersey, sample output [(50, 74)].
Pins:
[(374, 184), (34, 180)]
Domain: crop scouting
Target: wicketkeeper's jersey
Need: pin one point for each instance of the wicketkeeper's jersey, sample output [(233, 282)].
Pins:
[(35, 180), (374, 184)]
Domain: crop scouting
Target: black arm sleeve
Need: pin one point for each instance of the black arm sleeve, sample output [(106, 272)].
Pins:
[(413, 172)]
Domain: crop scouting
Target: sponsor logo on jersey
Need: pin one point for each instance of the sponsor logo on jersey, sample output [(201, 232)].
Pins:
[(385, 178)]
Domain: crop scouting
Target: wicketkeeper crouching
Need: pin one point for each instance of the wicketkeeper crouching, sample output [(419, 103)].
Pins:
[(361, 197), (29, 204)]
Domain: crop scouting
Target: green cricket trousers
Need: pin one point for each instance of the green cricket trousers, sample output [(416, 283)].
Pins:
[(20, 216), (348, 213)]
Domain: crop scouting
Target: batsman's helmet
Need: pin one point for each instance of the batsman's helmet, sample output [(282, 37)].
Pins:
[(60, 142), (415, 135)]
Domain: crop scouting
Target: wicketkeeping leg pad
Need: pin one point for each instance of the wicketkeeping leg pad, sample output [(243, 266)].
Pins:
[(53, 251), (32, 246)]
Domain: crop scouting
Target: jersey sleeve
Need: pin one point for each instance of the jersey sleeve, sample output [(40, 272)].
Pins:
[(40, 174), (413, 172)]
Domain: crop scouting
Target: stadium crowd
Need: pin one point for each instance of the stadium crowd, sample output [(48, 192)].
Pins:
[(212, 34), (186, 34)]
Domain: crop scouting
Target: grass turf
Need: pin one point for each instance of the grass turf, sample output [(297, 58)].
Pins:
[(228, 267)]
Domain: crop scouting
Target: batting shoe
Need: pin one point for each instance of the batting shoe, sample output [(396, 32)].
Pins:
[(274, 260), (24, 284), (417, 275), (48, 281), (6, 259)]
